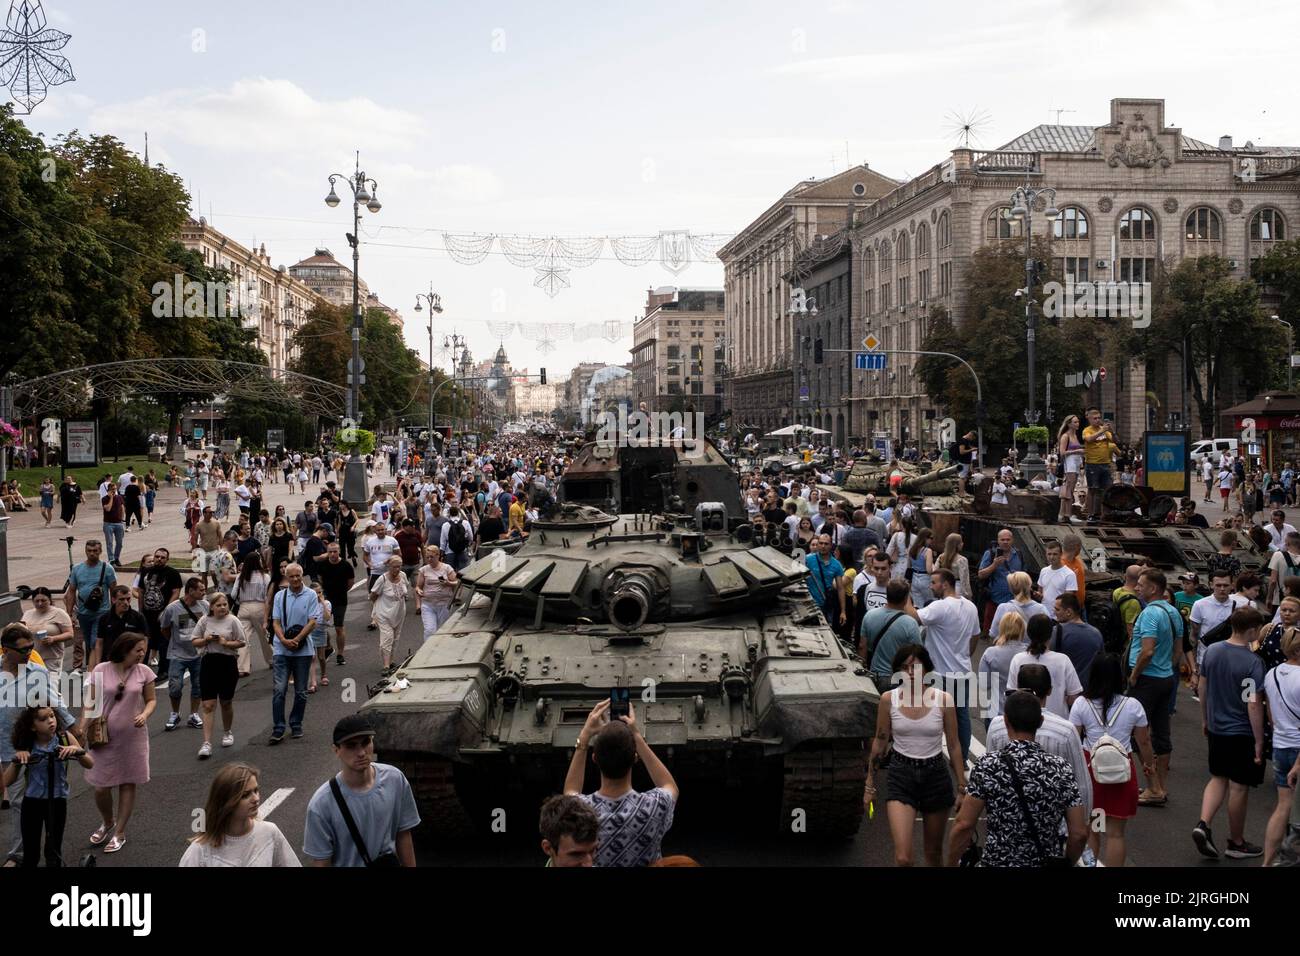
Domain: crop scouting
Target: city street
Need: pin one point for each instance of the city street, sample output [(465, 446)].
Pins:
[(710, 830)]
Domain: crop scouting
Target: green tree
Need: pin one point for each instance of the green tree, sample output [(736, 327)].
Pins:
[(1229, 338), (992, 339)]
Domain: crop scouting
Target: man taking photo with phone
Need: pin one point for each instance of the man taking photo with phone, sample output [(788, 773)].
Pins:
[(1099, 449), (632, 824)]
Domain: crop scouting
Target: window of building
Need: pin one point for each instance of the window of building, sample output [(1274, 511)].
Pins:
[(884, 297), (869, 306), (922, 241), (997, 225), (945, 278), (943, 231), (1137, 223), (1203, 225), (1267, 225), (1137, 270), (674, 353), (923, 284), (1072, 223), (1073, 268), (904, 290), (697, 353), (885, 259), (904, 251)]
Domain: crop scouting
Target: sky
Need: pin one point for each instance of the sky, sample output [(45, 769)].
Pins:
[(584, 119)]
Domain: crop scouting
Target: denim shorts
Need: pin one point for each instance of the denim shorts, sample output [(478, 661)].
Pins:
[(176, 677), (1283, 760), (1099, 476)]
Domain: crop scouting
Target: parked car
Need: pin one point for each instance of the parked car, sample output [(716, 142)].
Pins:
[(1214, 448)]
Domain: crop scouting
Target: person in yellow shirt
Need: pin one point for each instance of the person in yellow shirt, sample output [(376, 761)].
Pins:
[(1099, 450), (518, 511)]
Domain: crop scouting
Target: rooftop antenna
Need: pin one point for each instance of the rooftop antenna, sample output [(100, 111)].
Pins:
[(1058, 112), (146, 148), (968, 125)]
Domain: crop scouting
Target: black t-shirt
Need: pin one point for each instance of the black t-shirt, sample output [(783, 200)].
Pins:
[(244, 549), (132, 496), (490, 529), (774, 515), (1197, 521), (335, 579), (156, 587), (111, 627), (314, 546)]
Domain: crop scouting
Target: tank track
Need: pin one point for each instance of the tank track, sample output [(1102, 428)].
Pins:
[(826, 783), (433, 779)]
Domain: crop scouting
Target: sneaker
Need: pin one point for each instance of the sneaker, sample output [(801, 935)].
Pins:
[(372, 627), (195, 721), (1244, 850), (340, 660), (228, 740), (1204, 840), (205, 751), (276, 738), (172, 721), (297, 734)]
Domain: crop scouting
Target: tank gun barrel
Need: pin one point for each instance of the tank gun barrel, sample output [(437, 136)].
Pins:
[(921, 482)]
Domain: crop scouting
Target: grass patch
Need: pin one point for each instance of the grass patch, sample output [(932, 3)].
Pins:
[(87, 478)]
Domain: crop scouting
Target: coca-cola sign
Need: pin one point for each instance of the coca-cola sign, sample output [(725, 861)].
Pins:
[(1289, 423)]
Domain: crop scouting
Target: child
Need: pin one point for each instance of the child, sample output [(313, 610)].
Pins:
[(42, 745), (320, 640), (999, 491)]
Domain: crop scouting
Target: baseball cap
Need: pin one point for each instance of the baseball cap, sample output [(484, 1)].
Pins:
[(1189, 576), (353, 725), (326, 527)]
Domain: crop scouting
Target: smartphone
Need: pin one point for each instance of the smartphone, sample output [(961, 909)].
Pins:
[(619, 703)]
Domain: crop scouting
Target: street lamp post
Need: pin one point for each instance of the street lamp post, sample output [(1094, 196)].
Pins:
[(435, 307), (1022, 208), (1290, 337), (354, 478)]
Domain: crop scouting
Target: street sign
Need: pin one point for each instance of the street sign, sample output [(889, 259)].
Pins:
[(871, 361), (871, 342), (1101, 373), (803, 393), (198, 432), (274, 438), (1295, 361)]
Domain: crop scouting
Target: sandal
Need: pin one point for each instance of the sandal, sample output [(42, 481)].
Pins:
[(100, 835), (1153, 801), (324, 681), (311, 689), (115, 844)]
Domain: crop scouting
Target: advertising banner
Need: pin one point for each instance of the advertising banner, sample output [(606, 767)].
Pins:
[(81, 443)]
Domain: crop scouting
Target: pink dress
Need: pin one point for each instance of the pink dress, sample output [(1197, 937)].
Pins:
[(125, 758)]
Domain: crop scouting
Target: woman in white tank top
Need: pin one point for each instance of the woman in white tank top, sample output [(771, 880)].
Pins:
[(918, 718)]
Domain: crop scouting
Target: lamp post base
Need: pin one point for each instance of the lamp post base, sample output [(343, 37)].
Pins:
[(1033, 465), (354, 482)]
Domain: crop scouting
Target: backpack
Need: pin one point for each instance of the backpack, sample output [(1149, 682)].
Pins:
[(1110, 759), (457, 540), (1114, 633)]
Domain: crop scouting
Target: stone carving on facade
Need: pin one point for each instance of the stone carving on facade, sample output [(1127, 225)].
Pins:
[(1171, 205), (1104, 204), (934, 215), (1234, 206), (1137, 147)]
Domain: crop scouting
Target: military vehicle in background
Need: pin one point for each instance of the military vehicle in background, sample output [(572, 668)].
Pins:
[(737, 683)]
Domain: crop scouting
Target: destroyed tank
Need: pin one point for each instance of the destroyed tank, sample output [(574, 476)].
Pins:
[(736, 682), (935, 490)]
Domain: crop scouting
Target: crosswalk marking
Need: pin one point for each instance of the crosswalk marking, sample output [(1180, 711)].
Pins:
[(273, 801)]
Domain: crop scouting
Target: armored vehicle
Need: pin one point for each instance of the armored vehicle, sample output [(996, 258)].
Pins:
[(735, 680)]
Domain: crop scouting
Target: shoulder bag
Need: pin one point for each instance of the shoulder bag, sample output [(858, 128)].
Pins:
[(1055, 859), (384, 859)]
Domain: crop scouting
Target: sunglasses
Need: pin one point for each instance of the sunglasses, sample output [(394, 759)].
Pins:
[(22, 651)]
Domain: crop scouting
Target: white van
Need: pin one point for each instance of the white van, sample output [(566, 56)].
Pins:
[(1214, 448)]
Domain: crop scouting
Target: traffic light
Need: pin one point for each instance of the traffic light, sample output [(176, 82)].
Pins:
[(543, 371), (817, 352)]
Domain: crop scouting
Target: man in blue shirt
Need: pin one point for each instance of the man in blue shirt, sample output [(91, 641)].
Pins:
[(22, 684), (826, 582), (995, 565), (93, 573), (1154, 652), (295, 611)]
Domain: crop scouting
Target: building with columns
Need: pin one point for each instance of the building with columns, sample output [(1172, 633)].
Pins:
[(1135, 195), (272, 301), (759, 332)]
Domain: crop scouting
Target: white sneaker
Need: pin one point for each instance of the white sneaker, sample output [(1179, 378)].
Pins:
[(205, 751), (195, 721), (228, 740)]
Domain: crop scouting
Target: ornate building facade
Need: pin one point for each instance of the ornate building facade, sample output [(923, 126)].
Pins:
[(677, 350)]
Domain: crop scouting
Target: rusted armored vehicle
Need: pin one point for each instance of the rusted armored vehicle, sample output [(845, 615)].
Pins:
[(737, 683)]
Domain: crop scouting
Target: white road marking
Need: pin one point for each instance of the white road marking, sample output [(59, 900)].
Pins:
[(273, 801)]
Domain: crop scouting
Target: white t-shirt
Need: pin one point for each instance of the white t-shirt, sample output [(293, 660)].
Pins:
[(379, 550), (1208, 613), (243, 494), (1282, 688), (1277, 536), (999, 492), (1124, 715), (264, 845), (1055, 582), (1064, 678), (1207, 468), (950, 623), (1027, 610), (899, 545)]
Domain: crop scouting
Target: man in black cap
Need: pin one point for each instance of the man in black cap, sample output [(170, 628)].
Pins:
[(365, 814)]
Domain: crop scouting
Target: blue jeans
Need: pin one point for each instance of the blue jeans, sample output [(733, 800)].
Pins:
[(89, 630), (959, 686), (176, 669), (114, 533), (281, 667)]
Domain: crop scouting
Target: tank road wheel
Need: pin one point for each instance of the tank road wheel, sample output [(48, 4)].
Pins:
[(825, 783), (434, 781)]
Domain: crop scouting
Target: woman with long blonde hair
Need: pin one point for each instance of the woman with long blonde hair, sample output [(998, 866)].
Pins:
[(231, 834), (953, 560), (1070, 451)]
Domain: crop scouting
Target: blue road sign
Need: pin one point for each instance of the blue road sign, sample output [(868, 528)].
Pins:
[(870, 361)]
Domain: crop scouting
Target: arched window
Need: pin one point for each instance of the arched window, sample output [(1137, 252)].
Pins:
[(904, 249), (1267, 225), (1072, 223), (886, 261), (1203, 225), (922, 241), (1137, 223), (999, 225), (944, 231)]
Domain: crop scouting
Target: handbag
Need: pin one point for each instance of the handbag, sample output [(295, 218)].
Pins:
[(384, 859), (97, 729), (973, 853), (96, 596)]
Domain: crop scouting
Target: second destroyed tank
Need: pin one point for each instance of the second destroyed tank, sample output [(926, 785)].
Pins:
[(736, 681)]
